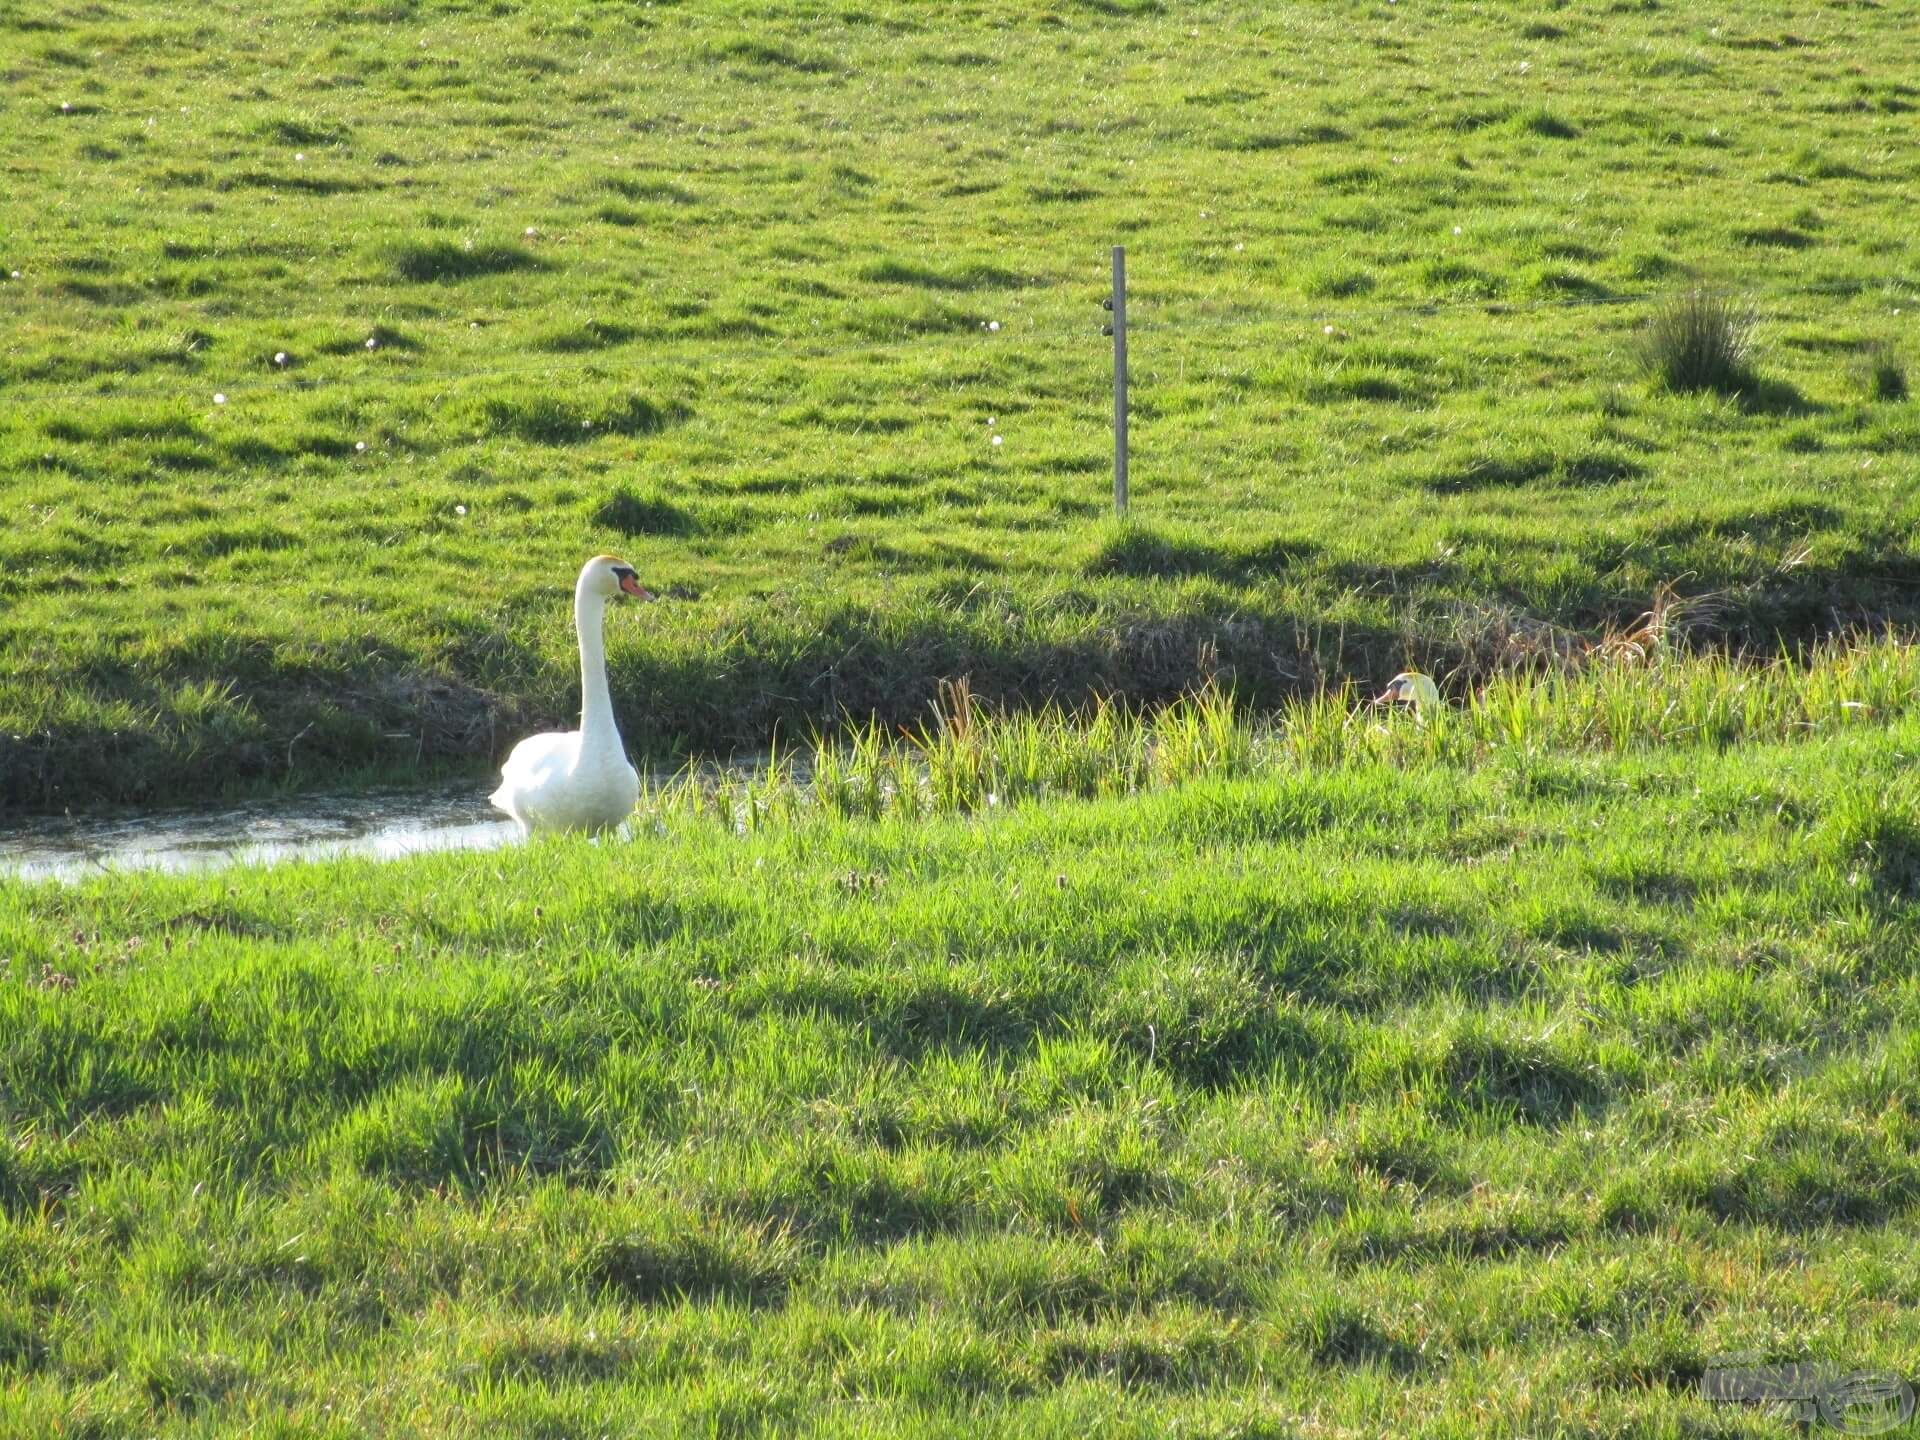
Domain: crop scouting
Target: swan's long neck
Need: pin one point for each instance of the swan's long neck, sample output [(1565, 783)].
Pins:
[(597, 730)]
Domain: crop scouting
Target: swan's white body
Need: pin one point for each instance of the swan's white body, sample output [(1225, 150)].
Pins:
[(1410, 687), (579, 780)]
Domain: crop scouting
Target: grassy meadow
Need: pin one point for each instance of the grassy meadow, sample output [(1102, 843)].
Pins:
[(1114, 1028), (1487, 1076), (488, 288)]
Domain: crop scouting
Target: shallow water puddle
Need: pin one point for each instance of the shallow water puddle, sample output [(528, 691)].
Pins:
[(297, 827), (267, 832)]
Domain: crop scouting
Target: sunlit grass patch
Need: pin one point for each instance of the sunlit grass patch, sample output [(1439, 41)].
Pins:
[(1342, 1066)]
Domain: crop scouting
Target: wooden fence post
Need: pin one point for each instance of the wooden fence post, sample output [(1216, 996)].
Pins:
[(1119, 303)]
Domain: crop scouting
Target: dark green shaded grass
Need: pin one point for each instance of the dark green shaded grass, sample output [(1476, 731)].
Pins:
[(1883, 373), (1489, 1096), (445, 260)]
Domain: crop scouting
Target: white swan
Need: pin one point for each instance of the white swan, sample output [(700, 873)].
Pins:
[(1410, 687), (579, 780)]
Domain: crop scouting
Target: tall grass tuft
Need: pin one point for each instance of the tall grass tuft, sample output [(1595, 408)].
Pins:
[(970, 758), (1882, 375), (1700, 341)]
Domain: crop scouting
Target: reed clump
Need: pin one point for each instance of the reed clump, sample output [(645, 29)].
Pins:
[(971, 757)]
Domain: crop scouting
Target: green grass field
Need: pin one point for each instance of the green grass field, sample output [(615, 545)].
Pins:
[(1490, 1076), (710, 285), (1158, 1042)]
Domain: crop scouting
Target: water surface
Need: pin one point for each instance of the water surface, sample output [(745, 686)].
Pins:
[(384, 825), (265, 832)]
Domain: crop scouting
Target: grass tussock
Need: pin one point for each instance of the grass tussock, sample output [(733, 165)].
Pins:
[(1882, 373), (1700, 341)]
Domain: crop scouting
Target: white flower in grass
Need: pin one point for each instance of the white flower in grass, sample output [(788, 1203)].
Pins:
[(586, 424), (373, 342), (531, 232), (279, 357), (359, 445), (993, 325), (459, 509), (219, 399), (65, 105), (1456, 229), (1326, 330), (997, 439)]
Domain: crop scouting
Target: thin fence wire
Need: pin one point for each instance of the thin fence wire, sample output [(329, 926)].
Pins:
[(1336, 307), (610, 359), (1165, 316)]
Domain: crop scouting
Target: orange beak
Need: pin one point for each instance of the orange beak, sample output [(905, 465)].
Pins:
[(633, 587)]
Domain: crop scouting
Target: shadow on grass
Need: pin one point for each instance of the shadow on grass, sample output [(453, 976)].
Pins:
[(1591, 468), (1761, 396), (305, 184), (973, 276), (1405, 1239), (923, 1016), (1809, 1182), (1779, 520), (440, 260), (1336, 1335), (552, 420), (632, 515), (1481, 1074), (697, 1261), (1142, 553), (284, 718)]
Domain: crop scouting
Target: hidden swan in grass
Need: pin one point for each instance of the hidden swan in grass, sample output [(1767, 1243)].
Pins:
[(1410, 687), (580, 780)]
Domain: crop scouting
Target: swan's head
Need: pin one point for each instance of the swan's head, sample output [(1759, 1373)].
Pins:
[(1410, 687), (609, 577)]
